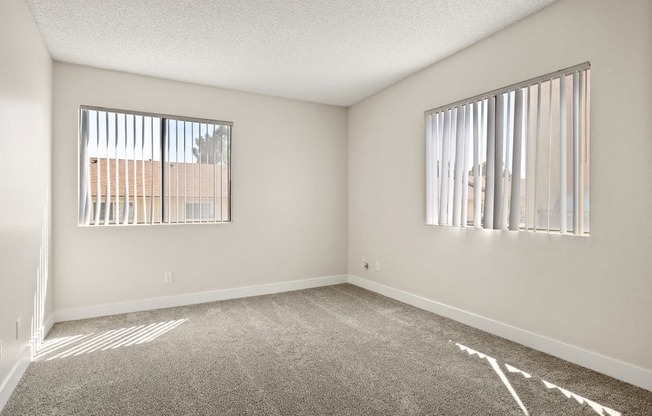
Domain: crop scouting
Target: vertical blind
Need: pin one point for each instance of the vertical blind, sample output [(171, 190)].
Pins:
[(138, 168), (513, 159)]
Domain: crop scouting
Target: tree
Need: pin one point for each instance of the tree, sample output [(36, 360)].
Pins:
[(483, 170), (212, 148)]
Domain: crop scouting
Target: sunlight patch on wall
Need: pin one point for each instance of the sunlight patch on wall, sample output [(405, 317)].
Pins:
[(41, 291)]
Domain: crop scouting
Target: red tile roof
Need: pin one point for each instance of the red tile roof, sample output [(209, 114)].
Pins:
[(191, 177)]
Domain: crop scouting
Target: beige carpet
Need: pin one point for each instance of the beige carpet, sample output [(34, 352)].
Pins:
[(337, 350)]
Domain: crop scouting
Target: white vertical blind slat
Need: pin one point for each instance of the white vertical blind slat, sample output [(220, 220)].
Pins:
[(527, 152), (185, 175), (168, 149), (580, 189), (98, 192), (459, 165), (176, 166), (563, 150), (499, 164), (125, 211), (135, 219), (536, 156), (221, 176), (491, 164), (509, 136), (443, 208), (117, 172), (477, 178), (450, 204), (483, 137), (586, 149), (107, 182), (85, 202), (142, 167), (576, 153), (465, 168), (151, 173), (214, 148), (193, 179), (200, 154), (515, 203), (439, 148), (548, 197), (429, 170)]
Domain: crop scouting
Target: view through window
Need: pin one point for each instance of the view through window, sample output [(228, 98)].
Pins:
[(513, 159), (139, 168)]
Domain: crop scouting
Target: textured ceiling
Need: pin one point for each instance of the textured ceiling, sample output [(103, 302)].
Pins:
[(326, 51)]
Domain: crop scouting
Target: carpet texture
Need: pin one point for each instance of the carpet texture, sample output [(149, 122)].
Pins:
[(337, 350)]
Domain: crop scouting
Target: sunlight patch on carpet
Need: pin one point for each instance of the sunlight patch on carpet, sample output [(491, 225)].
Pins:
[(83, 344), (598, 408)]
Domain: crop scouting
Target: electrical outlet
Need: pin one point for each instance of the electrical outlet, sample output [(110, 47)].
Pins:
[(168, 277), (377, 266), (364, 264), (18, 328), (0, 350)]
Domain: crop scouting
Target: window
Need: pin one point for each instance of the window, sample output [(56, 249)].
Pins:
[(139, 168), (200, 211), (103, 212), (513, 159), (112, 211)]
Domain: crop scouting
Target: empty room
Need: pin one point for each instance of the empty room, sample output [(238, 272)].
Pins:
[(346, 207)]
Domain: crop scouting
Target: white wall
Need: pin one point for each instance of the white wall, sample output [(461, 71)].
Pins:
[(25, 131), (289, 196), (594, 293)]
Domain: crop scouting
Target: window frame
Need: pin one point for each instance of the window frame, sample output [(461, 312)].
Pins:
[(583, 70), (164, 173)]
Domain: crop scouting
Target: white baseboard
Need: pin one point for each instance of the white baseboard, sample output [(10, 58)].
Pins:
[(629, 373), (194, 298), (41, 333), (9, 384)]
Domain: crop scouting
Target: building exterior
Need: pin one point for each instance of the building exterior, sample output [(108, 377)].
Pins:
[(138, 192)]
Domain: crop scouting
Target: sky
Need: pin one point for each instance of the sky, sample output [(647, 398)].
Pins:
[(180, 138)]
